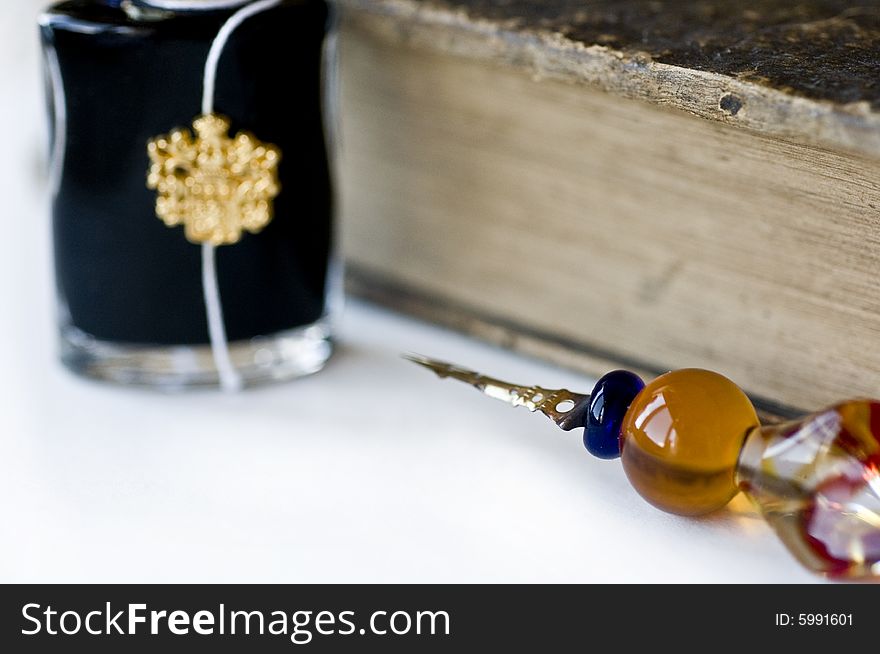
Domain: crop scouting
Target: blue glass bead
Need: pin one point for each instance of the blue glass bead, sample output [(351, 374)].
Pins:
[(609, 401)]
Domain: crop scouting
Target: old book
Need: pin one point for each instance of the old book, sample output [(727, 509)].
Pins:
[(649, 184)]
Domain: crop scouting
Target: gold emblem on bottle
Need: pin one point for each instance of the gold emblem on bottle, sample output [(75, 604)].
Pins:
[(215, 186)]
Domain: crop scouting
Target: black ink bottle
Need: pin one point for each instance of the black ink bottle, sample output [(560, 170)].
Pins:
[(192, 192)]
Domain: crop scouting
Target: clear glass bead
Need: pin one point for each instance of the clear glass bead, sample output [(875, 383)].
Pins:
[(817, 482)]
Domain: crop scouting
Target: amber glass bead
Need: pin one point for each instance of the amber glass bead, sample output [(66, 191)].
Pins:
[(681, 438)]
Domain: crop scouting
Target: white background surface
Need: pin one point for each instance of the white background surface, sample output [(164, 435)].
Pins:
[(370, 471)]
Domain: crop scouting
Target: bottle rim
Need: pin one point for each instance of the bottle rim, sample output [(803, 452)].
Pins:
[(189, 5)]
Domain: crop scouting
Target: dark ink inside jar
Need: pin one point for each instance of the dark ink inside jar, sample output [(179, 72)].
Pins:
[(121, 74)]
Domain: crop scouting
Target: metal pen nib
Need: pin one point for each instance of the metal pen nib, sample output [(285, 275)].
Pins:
[(565, 408)]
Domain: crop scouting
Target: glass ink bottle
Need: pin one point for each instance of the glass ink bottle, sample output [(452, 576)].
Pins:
[(192, 191)]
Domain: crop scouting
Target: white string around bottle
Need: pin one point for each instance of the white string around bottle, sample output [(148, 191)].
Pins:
[(59, 128), (229, 377)]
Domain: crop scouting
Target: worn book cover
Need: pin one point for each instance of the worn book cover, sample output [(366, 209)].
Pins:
[(651, 184)]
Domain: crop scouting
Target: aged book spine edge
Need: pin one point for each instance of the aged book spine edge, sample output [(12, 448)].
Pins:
[(853, 126)]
